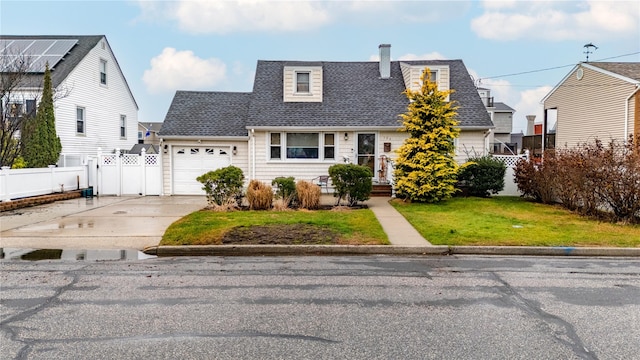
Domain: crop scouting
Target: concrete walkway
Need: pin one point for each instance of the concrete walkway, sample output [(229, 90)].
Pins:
[(398, 229)]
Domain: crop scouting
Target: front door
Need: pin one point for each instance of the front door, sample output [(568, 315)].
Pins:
[(367, 151)]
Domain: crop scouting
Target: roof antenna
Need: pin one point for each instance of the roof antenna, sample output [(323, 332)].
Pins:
[(589, 51)]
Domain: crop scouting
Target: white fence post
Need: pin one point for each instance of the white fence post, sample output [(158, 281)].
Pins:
[(119, 172), (4, 180), (52, 168), (143, 167)]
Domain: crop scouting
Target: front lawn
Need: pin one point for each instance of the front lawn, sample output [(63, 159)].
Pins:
[(511, 221), (319, 227)]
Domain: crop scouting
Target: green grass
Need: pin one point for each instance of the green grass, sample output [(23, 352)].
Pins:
[(208, 227), (512, 221)]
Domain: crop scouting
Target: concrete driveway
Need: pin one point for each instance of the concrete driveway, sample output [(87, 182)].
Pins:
[(95, 223)]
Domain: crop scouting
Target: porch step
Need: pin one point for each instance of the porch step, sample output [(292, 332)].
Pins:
[(380, 190)]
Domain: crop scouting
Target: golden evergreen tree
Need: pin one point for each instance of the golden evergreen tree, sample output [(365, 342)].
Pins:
[(425, 170)]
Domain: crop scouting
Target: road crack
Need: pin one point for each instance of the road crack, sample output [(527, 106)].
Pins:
[(561, 329)]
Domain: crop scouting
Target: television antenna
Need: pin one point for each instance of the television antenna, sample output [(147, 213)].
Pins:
[(588, 50)]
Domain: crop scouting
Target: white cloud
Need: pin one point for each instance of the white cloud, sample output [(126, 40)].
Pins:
[(173, 70), (529, 104), (225, 16), (228, 16), (429, 56), (557, 20)]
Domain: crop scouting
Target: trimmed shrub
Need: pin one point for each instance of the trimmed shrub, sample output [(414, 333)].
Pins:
[(223, 186), (308, 195), (259, 195), (352, 182), (482, 176), (285, 189)]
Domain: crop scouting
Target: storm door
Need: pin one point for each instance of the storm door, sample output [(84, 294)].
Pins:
[(367, 151)]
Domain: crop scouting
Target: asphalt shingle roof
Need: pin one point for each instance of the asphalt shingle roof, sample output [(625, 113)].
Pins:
[(206, 113), (354, 95), (500, 106), (627, 69)]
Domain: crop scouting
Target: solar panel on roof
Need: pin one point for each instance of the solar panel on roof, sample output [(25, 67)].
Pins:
[(37, 52)]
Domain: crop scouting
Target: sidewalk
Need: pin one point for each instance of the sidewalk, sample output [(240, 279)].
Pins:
[(398, 229)]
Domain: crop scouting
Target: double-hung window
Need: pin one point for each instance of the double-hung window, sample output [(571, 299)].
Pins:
[(302, 82), (80, 121), (123, 126), (103, 72)]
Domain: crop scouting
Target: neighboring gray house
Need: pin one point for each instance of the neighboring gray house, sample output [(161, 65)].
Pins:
[(304, 116), (502, 118), (95, 107)]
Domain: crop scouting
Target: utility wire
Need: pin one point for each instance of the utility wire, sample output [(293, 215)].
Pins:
[(552, 68)]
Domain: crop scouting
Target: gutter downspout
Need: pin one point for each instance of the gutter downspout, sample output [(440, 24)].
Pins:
[(253, 155), (626, 112)]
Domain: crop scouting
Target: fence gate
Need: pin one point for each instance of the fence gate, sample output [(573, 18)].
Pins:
[(129, 174)]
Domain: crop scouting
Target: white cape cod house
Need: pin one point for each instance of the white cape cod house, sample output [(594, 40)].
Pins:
[(302, 117), (94, 106)]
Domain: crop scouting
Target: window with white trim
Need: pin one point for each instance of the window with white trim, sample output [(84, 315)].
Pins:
[(123, 126), (329, 146), (80, 121), (302, 82), (103, 72), (302, 145)]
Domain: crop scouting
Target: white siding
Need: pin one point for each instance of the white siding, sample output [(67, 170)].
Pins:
[(411, 75), (103, 106), (593, 107), (471, 144), (315, 84)]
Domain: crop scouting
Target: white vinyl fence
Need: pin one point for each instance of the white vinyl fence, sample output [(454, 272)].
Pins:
[(19, 183), (109, 174), (129, 174), (510, 187)]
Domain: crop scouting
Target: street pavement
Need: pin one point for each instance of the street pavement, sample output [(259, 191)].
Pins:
[(366, 307)]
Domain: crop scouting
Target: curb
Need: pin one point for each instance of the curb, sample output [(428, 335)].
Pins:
[(332, 250)]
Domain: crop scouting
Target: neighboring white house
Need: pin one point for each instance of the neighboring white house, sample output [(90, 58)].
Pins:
[(302, 117), (94, 106), (594, 100)]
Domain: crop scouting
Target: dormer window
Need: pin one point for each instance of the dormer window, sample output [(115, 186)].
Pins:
[(302, 82)]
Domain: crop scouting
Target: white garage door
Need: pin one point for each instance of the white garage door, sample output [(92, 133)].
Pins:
[(191, 162)]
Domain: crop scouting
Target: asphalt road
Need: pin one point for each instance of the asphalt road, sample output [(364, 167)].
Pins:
[(374, 307)]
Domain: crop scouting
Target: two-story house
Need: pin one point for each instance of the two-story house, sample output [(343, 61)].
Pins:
[(594, 100), (502, 117), (94, 106), (304, 116)]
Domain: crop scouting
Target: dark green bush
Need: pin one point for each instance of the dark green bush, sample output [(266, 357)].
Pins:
[(223, 185), (352, 182), (285, 187), (482, 176)]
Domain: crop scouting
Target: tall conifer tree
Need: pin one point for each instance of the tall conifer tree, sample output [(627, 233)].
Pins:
[(41, 144), (425, 170)]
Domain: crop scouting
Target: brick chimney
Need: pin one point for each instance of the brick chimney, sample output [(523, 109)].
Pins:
[(385, 61)]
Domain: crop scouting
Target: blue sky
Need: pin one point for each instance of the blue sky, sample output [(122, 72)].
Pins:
[(213, 45)]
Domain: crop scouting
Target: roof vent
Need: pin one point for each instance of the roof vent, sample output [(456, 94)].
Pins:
[(385, 61)]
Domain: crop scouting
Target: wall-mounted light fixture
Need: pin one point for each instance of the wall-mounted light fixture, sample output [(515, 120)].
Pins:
[(165, 148), (346, 136), (235, 150)]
